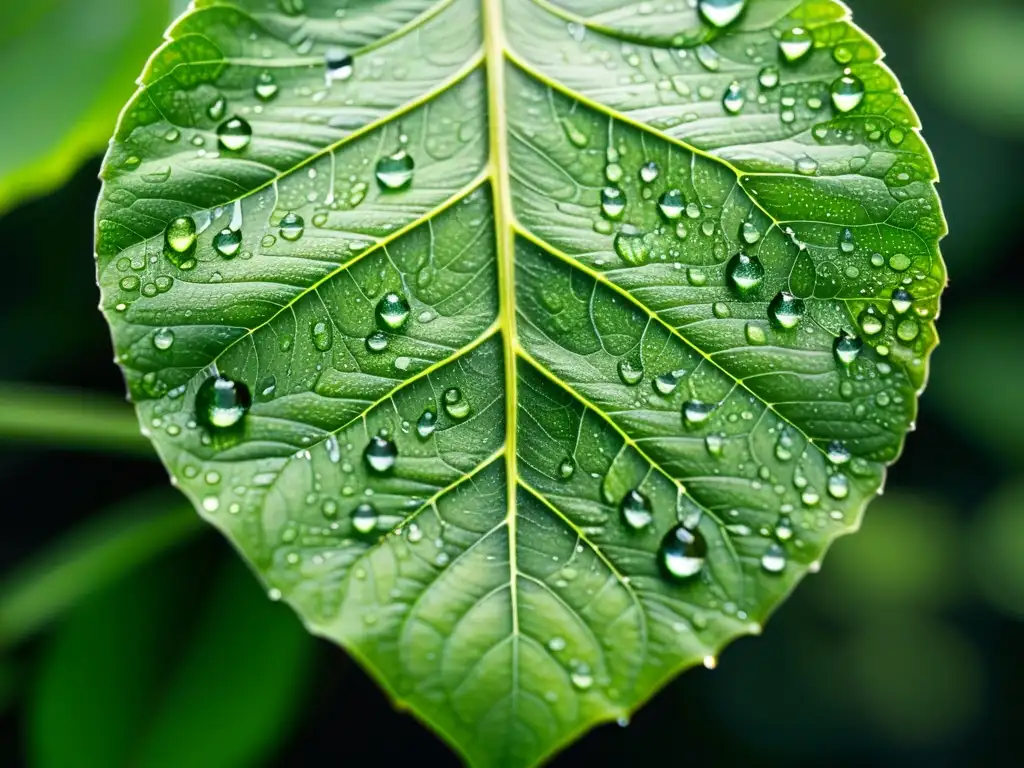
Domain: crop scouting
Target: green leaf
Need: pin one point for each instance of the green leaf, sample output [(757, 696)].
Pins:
[(167, 669), (65, 67), (508, 370)]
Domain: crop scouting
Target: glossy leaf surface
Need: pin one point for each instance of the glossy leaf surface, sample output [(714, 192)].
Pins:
[(530, 350)]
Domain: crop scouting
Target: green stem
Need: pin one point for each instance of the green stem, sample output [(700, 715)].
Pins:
[(69, 419), (102, 550)]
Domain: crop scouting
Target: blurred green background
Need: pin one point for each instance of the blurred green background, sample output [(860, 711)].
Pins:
[(132, 636)]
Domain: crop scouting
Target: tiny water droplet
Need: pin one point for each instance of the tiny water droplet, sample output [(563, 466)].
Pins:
[(683, 552), (380, 454), (774, 559), (671, 204), (908, 329), (392, 312), (227, 242), (292, 226), (784, 528), (666, 383), (750, 233), (581, 677), (455, 405), (786, 310), (721, 13), (613, 202), (426, 423), (745, 273), (838, 486), (629, 373), (795, 43), (266, 86), (649, 172), (394, 171), (322, 334), (364, 519), (567, 468), (636, 510), (217, 109), (768, 77), (847, 93), (377, 341), (837, 452), (714, 444), (221, 402), (234, 134)]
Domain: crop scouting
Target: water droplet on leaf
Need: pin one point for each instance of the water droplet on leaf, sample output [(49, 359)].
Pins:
[(234, 134), (682, 553), (221, 402)]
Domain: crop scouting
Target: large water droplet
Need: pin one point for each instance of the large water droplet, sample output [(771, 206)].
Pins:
[(774, 559), (847, 348), (901, 300), (733, 99), (683, 552), (786, 310), (795, 43), (322, 334), (221, 402), (395, 171), (871, 321), (292, 226), (380, 454), (426, 423), (745, 273), (629, 373), (180, 239), (163, 338), (392, 312), (666, 383), (636, 510), (768, 77), (671, 204), (696, 412), (377, 341), (838, 486), (364, 519), (721, 13), (649, 172), (338, 63), (234, 134), (455, 405), (227, 242), (567, 468), (847, 93), (266, 86), (613, 202)]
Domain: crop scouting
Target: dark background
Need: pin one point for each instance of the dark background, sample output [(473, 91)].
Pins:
[(907, 648)]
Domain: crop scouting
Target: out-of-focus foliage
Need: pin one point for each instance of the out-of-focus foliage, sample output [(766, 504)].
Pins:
[(66, 68), (998, 549)]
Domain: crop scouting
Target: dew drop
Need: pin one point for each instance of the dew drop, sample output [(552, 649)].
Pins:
[(871, 321), (227, 242), (426, 423), (721, 13), (745, 273), (649, 172), (733, 99), (566, 468), (163, 338), (696, 412), (784, 528), (786, 310), (629, 245), (682, 553), (837, 453), (629, 373), (292, 226), (750, 233), (847, 348), (395, 171), (635, 509), (339, 65), (322, 334), (234, 134), (392, 312), (774, 559), (364, 519), (613, 202), (838, 486), (795, 43), (714, 444), (221, 402), (847, 93), (380, 454), (581, 677), (266, 86), (217, 109), (768, 77), (180, 239), (455, 405), (901, 300), (671, 204), (666, 383), (908, 329)]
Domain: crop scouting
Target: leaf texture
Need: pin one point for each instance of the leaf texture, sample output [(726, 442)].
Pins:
[(574, 331)]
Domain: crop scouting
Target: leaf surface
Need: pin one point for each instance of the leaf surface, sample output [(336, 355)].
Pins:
[(569, 328)]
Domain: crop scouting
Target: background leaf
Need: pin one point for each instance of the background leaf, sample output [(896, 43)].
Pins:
[(230, 668), (534, 355), (68, 69)]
